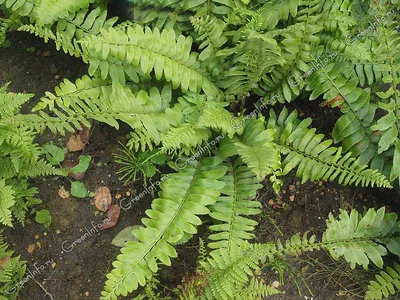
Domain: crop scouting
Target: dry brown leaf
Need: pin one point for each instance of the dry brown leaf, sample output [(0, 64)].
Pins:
[(4, 261), (102, 198), (78, 140), (31, 247), (112, 217), (63, 193)]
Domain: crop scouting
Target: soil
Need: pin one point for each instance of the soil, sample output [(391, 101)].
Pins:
[(78, 272)]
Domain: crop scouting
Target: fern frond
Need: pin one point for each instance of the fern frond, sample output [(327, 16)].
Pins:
[(72, 28), (11, 272), (156, 51), (173, 216), (387, 283), (351, 128), (24, 197), (256, 289), (227, 272), (313, 155), (276, 10), (255, 57), (47, 12), (233, 208), (256, 148), (140, 140), (361, 239), (10, 103), (211, 35), (21, 7), (7, 201), (297, 52)]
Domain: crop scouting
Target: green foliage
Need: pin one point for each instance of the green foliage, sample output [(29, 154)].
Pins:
[(144, 162), (174, 75), (313, 155), (387, 283), (20, 158), (233, 208), (173, 217), (43, 217), (256, 148), (11, 271)]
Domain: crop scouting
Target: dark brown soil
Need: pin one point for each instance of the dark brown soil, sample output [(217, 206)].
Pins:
[(79, 272)]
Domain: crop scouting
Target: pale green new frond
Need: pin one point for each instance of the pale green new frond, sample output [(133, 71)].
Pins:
[(313, 155), (185, 138), (151, 50), (46, 12), (173, 217), (232, 211), (361, 239), (99, 100)]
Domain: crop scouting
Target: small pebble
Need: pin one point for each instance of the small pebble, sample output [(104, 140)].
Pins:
[(291, 197), (36, 236), (87, 294), (275, 284), (291, 187), (57, 77)]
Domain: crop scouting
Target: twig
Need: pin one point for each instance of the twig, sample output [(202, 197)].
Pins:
[(47, 293)]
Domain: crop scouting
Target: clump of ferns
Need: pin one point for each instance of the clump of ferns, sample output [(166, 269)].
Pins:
[(133, 163)]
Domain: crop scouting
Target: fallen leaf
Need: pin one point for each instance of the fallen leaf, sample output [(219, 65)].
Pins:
[(69, 164), (124, 236), (63, 193), (31, 247), (78, 140), (112, 217), (4, 261), (102, 198)]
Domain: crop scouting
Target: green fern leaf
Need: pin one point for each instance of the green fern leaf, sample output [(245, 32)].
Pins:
[(256, 148), (314, 157), (183, 196), (232, 209), (7, 201), (387, 283), (46, 12), (156, 51)]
